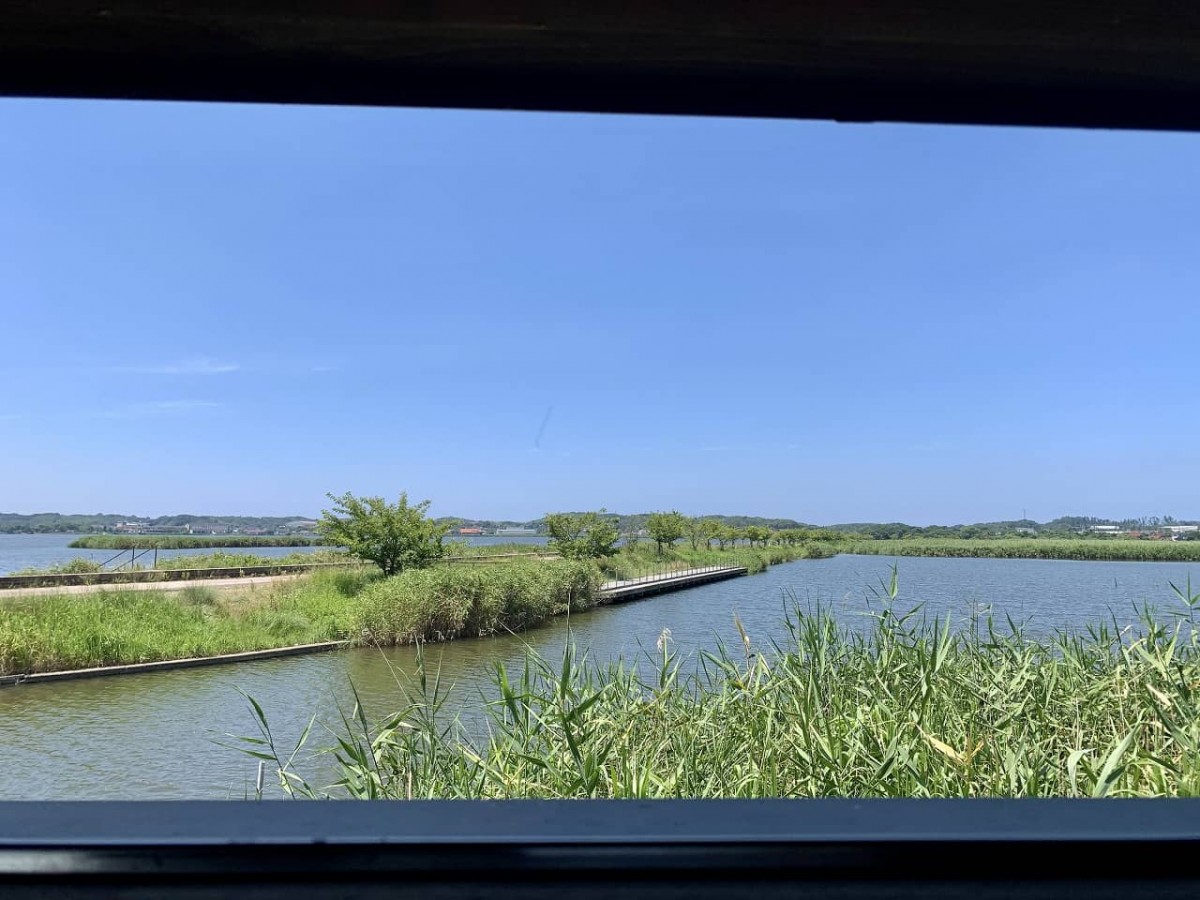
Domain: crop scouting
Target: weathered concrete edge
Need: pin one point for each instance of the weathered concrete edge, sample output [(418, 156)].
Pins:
[(167, 664)]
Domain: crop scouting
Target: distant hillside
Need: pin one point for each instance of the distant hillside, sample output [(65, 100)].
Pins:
[(59, 523), (637, 521), (50, 523), (1061, 526)]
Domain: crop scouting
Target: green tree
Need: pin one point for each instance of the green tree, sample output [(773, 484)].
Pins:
[(697, 531), (727, 534), (665, 528), (758, 534), (591, 535), (394, 537), (712, 532)]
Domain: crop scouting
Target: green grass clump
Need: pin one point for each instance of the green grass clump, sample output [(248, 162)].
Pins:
[(902, 709), (71, 632), (218, 560), (76, 566), (458, 548), (1038, 548), (444, 602), (53, 633), (222, 560)]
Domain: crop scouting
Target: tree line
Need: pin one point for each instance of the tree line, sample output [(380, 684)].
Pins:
[(595, 535), (401, 535)]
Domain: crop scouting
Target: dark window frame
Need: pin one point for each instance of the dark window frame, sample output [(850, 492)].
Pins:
[(1073, 63)]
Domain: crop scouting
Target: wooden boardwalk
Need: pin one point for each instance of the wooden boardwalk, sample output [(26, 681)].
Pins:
[(646, 586)]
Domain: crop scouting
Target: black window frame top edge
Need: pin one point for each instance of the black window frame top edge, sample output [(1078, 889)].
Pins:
[(1073, 63)]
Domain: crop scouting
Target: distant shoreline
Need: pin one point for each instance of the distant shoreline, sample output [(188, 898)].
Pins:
[(187, 542)]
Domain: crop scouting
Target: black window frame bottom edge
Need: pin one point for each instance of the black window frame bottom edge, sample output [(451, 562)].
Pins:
[(661, 849)]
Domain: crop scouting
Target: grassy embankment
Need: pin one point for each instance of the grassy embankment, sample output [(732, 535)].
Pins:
[(1033, 548), (189, 541), (223, 560), (641, 559), (442, 602), (218, 560), (906, 709), (42, 634)]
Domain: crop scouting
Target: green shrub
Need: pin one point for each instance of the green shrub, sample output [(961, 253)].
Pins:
[(198, 595), (459, 601)]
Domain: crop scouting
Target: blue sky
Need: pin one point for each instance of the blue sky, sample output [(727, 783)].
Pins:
[(224, 309)]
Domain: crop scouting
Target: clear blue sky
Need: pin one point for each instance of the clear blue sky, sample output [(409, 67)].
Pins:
[(236, 309)]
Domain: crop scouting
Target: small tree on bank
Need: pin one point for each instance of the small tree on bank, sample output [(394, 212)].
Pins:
[(712, 532), (758, 535), (591, 535), (697, 532), (665, 528), (393, 536), (726, 535)]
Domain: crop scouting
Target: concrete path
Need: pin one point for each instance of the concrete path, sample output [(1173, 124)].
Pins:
[(253, 581)]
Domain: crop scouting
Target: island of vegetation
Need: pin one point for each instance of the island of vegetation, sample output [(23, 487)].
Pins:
[(400, 585)]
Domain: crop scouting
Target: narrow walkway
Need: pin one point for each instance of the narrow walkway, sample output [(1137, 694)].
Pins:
[(659, 583), (667, 576), (644, 584), (253, 581)]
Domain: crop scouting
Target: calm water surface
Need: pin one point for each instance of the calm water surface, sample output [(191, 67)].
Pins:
[(158, 735)]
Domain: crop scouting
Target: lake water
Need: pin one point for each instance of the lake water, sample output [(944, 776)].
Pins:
[(24, 551), (158, 736)]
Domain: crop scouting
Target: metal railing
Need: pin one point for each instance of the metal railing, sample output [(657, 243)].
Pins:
[(665, 572)]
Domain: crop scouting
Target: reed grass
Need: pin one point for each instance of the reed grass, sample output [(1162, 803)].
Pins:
[(1039, 548), (444, 603), (905, 707)]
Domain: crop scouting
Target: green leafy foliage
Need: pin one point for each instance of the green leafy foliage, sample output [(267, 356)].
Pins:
[(590, 535), (701, 532), (758, 535), (665, 528), (393, 536)]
